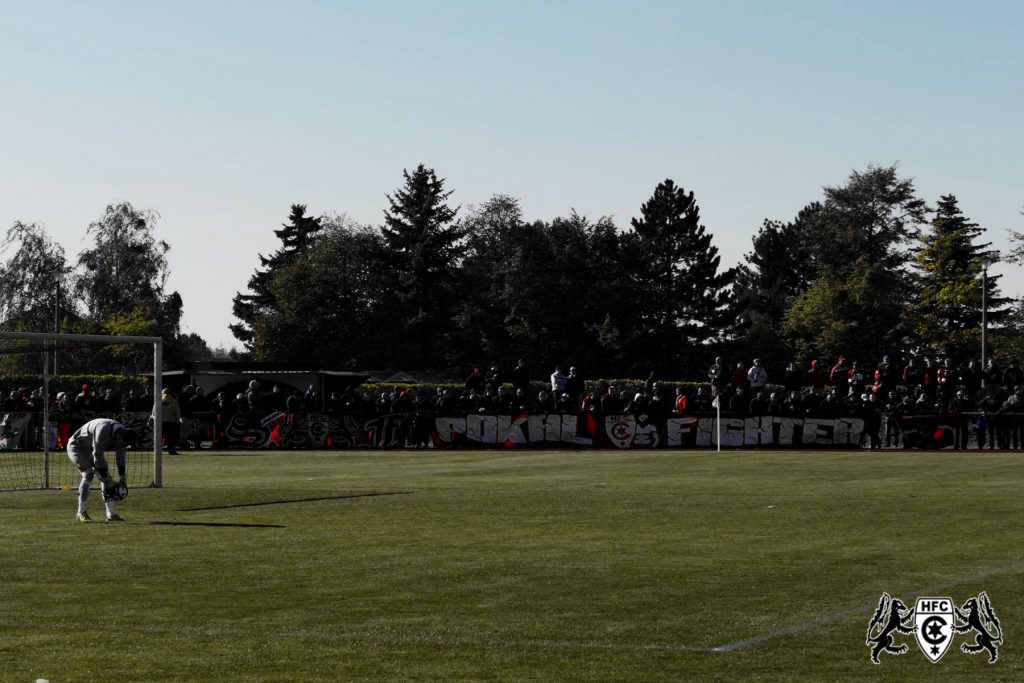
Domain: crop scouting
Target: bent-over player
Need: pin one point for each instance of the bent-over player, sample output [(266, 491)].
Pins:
[(87, 448)]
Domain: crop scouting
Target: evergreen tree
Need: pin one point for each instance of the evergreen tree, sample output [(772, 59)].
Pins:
[(494, 232), (858, 303), (684, 304), (425, 248), (767, 284), (260, 302), (331, 305), (949, 294)]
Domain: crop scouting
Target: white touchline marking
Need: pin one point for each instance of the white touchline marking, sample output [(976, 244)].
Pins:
[(443, 641)]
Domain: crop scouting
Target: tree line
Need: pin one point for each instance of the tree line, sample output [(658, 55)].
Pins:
[(867, 269)]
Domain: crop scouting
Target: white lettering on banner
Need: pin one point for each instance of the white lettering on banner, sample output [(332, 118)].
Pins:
[(476, 428), (632, 431), (786, 429), (705, 427), (758, 431), (448, 427), (677, 428), (819, 430), (511, 430), (570, 427), (733, 432)]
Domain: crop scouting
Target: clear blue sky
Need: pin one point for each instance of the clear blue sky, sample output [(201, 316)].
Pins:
[(219, 115)]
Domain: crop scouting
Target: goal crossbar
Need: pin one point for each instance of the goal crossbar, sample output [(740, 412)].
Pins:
[(158, 363)]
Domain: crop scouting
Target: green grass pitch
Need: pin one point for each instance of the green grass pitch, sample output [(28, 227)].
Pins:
[(547, 566)]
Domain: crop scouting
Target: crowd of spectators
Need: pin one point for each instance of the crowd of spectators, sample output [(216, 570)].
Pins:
[(80, 399), (976, 397)]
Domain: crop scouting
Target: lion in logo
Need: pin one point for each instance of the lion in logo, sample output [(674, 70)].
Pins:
[(894, 614), (978, 616)]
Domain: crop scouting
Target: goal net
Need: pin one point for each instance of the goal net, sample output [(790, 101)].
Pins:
[(51, 384)]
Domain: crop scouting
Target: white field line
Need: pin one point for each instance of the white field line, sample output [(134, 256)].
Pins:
[(445, 641), (839, 616)]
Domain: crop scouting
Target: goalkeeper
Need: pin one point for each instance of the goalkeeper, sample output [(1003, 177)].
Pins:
[(86, 448)]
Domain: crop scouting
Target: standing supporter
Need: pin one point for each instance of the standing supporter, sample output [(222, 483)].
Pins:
[(815, 376), (565, 404), (992, 374), (777, 404), (659, 405), (962, 406), (610, 402), (840, 373), (275, 400), (1013, 377), (254, 397), (716, 375), (680, 400), (493, 378), (757, 377), (557, 382), (170, 419), (185, 409), (856, 378), (588, 404), (929, 380), (911, 376), (221, 414), (521, 376), (872, 416), (759, 403), (84, 399), (1009, 423), (739, 403), (988, 406), (889, 374), (739, 378), (793, 379), (970, 379), (574, 385), (945, 383), (475, 381), (701, 402), (650, 383)]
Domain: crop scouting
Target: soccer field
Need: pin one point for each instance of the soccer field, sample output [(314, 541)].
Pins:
[(548, 566)]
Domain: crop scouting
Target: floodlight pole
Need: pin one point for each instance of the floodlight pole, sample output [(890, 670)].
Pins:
[(58, 278), (985, 263)]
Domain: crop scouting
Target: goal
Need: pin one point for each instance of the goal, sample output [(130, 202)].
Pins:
[(39, 410)]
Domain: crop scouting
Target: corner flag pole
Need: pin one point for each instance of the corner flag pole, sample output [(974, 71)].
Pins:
[(718, 419)]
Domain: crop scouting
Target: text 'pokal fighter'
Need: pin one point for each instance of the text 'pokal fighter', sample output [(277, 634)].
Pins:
[(87, 449)]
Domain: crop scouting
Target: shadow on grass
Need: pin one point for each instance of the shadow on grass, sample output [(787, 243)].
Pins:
[(219, 524), (297, 500)]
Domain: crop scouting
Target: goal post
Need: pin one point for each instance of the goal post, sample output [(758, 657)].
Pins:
[(35, 466)]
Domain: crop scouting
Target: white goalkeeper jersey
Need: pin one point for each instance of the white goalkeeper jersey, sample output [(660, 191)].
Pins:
[(97, 436)]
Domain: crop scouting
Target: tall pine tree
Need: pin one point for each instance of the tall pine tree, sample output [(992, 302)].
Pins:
[(425, 248), (684, 304), (295, 236), (949, 294)]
